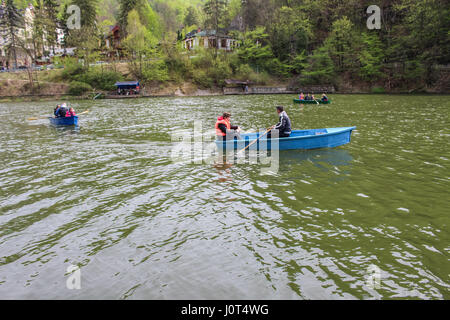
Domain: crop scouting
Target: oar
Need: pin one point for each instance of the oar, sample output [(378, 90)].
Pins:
[(84, 112), (40, 118), (255, 141), (34, 119)]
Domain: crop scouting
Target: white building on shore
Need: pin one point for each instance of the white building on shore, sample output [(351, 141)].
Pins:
[(27, 51)]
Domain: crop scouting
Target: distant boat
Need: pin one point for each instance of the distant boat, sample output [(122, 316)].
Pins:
[(311, 101), (69, 121), (299, 140)]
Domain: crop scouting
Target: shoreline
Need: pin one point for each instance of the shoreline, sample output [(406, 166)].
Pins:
[(203, 93)]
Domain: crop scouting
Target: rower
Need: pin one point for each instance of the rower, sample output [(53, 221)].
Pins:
[(56, 111), (224, 129), (284, 126), (302, 96), (324, 98)]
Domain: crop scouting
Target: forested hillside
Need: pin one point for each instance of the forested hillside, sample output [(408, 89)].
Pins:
[(298, 42)]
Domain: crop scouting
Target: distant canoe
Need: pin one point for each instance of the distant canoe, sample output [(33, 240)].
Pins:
[(69, 121), (311, 101), (299, 140)]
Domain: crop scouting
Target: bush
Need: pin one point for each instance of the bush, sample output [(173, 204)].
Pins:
[(202, 79), (155, 70), (100, 79), (378, 90), (72, 68), (78, 88)]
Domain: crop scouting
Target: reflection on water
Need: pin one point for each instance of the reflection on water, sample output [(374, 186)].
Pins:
[(108, 197)]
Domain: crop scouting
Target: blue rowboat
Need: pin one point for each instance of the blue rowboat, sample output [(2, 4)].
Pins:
[(69, 121), (299, 140)]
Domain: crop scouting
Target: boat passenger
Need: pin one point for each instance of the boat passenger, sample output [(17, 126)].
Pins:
[(307, 98), (61, 111), (56, 111), (324, 98), (302, 96), (224, 129), (312, 97), (70, 113), (284, 126)]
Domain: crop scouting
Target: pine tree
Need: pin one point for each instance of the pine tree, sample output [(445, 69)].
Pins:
[(10, 23), (52, 22), (125, 7), (191, 17), (215, 11)]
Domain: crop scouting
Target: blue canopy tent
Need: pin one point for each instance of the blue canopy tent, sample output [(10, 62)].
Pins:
[(127, 85), (128, 88)]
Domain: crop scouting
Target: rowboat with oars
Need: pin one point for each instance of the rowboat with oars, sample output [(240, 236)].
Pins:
[(298, 140)]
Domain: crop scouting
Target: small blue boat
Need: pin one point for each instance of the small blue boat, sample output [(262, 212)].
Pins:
[(69, 121), (299, 140)]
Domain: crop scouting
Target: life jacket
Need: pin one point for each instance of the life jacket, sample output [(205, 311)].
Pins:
[(220, 121), (70, 114), (302, 97)]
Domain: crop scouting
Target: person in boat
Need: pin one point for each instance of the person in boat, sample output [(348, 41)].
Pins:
[(56, 111), (224, 129), (302, 96), (307, 98), (70, 113), (61, 111), (284, 126), (312, 97), (324, 98)]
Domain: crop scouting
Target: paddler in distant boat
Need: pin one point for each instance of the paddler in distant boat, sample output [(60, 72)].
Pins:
[(324, 98), (61, 111), (224, 129), (302, 96), (56, 111), (70, 113), (284, 126)]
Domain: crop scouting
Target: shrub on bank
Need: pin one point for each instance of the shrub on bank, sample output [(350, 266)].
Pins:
[(100, 79), (378, 90), (77, 88), (72, 68)]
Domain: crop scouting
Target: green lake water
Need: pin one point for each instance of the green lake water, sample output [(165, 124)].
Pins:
[(108, 197)]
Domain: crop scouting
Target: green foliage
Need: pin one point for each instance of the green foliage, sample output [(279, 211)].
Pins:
[(378, 90), (72, 68), (290, 34), (155, 70), (100, 79), (209, 70), (255, 50), (215, 11), (145, 14), (77, 88), (316, 41), (319, 68), (341, 43), (192, 17), (371, 57)]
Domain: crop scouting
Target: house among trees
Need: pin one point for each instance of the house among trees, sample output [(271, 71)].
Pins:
[(209, 39), (20, 42), (112, 40)]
